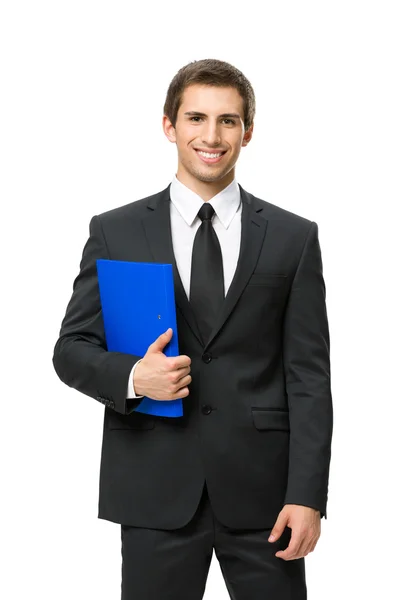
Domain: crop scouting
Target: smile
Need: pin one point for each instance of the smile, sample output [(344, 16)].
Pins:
[(210, 157)]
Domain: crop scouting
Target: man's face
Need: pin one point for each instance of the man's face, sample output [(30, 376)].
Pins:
[(210, 119)]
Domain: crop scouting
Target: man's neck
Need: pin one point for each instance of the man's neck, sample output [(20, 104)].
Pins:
[(205, 189)]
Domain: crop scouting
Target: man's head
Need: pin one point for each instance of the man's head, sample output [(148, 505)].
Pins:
[(210, 107)]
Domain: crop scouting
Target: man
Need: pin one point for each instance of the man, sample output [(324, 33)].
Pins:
[(245, 470)]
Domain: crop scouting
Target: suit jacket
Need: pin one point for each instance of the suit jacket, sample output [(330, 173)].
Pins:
[(257, 422)]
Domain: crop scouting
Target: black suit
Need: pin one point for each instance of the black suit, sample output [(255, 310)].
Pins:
[(257, 423)]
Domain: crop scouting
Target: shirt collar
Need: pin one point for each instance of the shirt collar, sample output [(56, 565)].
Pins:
[(188, 202)]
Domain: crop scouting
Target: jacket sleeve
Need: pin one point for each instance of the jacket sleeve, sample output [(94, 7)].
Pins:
[(306, 355), (80, 358)]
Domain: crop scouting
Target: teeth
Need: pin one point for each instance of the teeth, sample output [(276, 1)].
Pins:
[(209, 154)]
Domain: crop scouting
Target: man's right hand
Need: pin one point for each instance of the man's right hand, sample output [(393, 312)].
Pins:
[(162, 377)]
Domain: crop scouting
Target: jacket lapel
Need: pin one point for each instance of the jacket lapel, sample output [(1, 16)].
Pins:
[(157, 226)]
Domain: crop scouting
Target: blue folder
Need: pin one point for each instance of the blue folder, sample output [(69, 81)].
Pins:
[(138, 305)]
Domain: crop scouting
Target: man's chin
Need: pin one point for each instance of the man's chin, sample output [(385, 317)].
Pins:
[(208, 175)]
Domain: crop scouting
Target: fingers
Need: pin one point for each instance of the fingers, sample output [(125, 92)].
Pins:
[(279, 526), (175, 387), (178, 385), (181, 393), (162, 340), (181, 373), (292, 550), (300, 545), (180, 377), (178, 362)]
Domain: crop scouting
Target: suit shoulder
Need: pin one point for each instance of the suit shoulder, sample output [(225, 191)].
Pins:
[(273, 211), (131, 209)]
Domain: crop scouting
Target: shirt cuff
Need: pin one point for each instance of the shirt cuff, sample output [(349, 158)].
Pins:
[(130, 386)]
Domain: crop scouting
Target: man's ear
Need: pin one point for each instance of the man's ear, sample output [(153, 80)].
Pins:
[(169, 129), (248, 135)]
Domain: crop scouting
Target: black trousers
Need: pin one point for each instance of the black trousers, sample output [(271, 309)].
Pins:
[(159, 564)]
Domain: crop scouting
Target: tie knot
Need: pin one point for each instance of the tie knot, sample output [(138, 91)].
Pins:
[(206, 212)]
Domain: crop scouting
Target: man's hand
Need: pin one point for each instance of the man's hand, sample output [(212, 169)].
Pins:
[(305, 525), (162, 377)]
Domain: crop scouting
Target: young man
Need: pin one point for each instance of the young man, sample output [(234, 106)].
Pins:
[(245, 470)]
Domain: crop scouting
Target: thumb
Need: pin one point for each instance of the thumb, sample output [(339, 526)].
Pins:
[(161, 341), (279, 527)]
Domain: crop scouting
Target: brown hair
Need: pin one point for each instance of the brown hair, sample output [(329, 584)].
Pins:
[(214, 72)]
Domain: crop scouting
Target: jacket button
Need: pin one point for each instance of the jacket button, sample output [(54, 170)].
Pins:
[(207, 357), (206, 409), (111, 404)]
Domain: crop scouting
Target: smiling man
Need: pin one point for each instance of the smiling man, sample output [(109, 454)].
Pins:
[(245, 470), (208, 139)]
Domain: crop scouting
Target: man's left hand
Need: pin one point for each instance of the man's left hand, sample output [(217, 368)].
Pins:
[(305, 525)]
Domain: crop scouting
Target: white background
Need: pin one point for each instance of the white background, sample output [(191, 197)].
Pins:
[(83, 84)]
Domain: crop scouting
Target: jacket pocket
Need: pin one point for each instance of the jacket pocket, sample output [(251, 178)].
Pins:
[(271, 418), (134, 420)]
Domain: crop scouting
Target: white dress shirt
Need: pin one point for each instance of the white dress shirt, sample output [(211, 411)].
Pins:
[(184, 208)]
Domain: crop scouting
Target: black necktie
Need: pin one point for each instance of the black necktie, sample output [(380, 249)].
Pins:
[(207, 290)]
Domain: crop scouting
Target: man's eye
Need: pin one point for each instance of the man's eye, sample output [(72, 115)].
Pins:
[(230, 121)]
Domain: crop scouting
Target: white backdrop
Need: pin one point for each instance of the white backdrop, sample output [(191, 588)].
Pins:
[(83, 86)]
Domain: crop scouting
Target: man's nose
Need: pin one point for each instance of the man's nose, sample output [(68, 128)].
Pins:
[(211, 135)]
